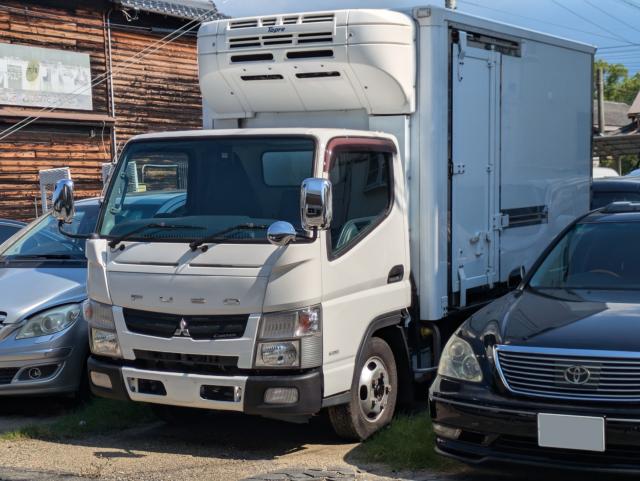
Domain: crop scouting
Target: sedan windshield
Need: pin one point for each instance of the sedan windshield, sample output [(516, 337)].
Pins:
[(42, 240), (598, 256), (195, 187)]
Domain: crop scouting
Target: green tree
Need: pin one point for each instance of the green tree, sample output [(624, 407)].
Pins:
[(618, 85)]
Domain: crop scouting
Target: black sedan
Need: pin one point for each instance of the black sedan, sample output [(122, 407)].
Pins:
[(614, 189), (8, 228), (550, 373)]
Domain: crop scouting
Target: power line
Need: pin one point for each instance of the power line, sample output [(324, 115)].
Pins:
[(586, 19), (612, 16), (108, 74), (611, 47), (631, 4), (542, 21)]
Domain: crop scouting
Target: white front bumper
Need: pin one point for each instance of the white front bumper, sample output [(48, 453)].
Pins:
[(185, 389)]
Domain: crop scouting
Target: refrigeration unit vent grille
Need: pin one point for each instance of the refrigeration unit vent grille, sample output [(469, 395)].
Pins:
[(270, 40), (285, 20)]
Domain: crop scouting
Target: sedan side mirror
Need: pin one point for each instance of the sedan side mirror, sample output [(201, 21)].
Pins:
[(316, 208), (63, 203)]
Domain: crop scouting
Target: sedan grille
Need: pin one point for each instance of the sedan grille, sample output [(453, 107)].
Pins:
[(197, 327), (570, 374)]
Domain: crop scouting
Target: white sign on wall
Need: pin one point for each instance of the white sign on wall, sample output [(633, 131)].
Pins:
[(42, 77)]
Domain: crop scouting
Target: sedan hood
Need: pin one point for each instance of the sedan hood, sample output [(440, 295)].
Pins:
[(571, 322), (25, 291)]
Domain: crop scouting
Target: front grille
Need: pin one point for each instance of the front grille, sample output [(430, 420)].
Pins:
[(570, 374), (189, 363), (7, 374), (198, 327)]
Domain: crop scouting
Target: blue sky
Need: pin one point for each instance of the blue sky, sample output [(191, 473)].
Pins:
[(612, 25)]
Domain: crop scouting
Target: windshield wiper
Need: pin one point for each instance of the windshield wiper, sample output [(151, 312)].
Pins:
[(43, 256), (219, 236), (113, 243)]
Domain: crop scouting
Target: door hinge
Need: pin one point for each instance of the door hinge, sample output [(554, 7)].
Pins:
[(500, 221), (457, 169)]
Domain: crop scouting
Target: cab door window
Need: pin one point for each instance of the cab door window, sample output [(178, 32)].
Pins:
[(362, 195)]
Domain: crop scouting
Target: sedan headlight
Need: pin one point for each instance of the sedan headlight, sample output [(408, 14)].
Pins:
[(103, 338), (294, 339), (50, 321), (458, 361)]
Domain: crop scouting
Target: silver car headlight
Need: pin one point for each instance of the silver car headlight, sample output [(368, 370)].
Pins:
[(293, 339), (103, 338), (50, 321), (458, 361)]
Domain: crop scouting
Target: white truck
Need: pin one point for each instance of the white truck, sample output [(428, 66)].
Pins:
[(365, 180)]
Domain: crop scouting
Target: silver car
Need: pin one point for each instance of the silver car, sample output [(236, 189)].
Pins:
[(43, 339)]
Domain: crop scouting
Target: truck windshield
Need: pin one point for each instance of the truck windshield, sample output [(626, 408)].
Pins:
[(207, 185), (593, 256)]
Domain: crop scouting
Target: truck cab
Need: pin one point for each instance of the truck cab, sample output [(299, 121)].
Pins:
[(251, 294)]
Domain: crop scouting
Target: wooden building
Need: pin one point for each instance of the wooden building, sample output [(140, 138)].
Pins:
[(58, 105)]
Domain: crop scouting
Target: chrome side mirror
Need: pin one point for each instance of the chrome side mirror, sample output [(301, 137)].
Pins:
[(63, 204), (281, 233), (316, 208)]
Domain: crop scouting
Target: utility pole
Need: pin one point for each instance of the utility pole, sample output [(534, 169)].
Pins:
[(600, 88), (452, 4)]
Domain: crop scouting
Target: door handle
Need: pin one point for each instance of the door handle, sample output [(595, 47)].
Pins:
[(396, 274)]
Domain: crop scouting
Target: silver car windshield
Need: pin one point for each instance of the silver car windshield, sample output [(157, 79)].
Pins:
[(186, 189), (42, 240)]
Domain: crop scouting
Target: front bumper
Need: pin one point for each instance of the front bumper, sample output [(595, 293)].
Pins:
[(243, 393), (501, 428), (43, 365)]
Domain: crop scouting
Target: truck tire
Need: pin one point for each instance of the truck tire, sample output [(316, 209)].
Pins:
[(374, 394)]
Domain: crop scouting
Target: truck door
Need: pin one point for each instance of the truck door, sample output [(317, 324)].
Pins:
[(474, 167), (365, 259)]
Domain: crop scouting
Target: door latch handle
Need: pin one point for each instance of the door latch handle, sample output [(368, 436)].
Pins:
[(396, 274)]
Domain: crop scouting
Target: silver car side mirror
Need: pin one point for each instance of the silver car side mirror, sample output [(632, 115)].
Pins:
[(316, 208), (281, 233), (63, 203)]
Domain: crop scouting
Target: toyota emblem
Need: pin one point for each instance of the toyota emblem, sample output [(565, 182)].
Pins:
[(577, 375)]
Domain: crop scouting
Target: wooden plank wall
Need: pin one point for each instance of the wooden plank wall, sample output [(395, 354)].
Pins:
[(22, 155), (160, 92), (30, 151)]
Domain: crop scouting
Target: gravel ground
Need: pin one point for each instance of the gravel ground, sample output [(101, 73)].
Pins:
[(226, 447)]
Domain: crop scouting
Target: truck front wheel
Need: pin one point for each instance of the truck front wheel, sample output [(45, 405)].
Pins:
[(373, 394)]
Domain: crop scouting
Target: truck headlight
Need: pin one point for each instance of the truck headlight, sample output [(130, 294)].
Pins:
[(104, 343), (103, 338), (294, 339), (458, 361), (278, 354), (50, 321)]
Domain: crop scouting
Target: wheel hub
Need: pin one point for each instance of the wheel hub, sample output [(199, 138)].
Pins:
[(374, 388)]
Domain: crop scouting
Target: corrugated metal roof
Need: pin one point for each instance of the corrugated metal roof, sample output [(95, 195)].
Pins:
[(617, 144), (203, 10)]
